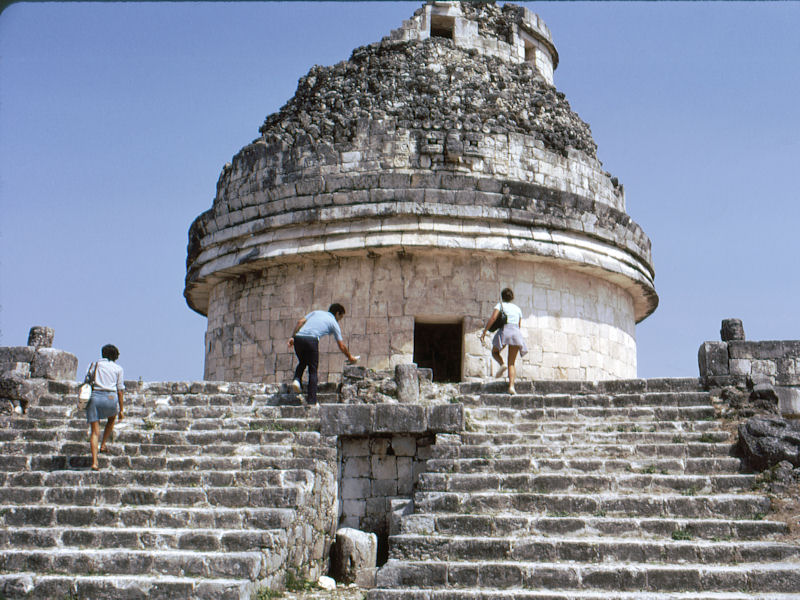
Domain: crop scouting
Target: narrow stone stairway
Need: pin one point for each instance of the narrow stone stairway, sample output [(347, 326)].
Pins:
[(202, 495), (609, 490)]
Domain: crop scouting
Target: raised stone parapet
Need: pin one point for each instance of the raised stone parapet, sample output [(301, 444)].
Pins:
[(748, 364)]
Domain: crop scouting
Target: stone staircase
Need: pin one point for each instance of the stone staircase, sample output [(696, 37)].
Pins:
[(576, 491), (203, 494)]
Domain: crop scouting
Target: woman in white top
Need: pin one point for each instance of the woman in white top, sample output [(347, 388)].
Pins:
[(508, 335), (107, 398)]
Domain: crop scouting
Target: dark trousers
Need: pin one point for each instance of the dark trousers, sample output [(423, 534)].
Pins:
[(307, 351)]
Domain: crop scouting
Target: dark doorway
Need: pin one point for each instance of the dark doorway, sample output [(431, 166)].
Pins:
[(442, 26), (437, 346)]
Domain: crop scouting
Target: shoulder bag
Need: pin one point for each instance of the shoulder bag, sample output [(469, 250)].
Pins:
[(500, 321), (85, 390)]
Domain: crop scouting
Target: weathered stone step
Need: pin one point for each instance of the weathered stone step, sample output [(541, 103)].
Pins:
[(178, 478), (525, 401), (608, 426), (479, 445), (726, 506), (76, 443), (759, 578), (588, 550), (139, 538), (128, 435), (177, 563), (277, 497), (218, 517), (155, 420), (580, 483), (528, 464), (592, 415), (518, 594), (645, 528), (581, 388), (617, 437), (158, 457), (36, 586)]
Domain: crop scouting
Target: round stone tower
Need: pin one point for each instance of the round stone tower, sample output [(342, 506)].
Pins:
[(412, 183)]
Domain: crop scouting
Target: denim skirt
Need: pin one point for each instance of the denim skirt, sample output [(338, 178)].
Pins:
[(510, 335), (102, 405)]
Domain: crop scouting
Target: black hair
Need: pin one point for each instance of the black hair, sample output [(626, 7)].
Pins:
[(336, 309), (507, 295), (110, 352)]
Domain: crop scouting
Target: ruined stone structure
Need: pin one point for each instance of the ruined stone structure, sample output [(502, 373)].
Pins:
[(412, 183)]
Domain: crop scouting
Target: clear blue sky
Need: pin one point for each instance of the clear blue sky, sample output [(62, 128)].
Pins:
[(116, 120)]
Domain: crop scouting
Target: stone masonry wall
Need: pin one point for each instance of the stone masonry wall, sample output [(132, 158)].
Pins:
[(577, 327), (376, 470), (737, 362)]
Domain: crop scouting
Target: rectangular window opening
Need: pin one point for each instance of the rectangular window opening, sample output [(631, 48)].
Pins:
[(443, 26)]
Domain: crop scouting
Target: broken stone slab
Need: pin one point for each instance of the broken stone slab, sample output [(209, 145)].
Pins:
[(766, 441), (21, 391), (49, 363), (366, 419), (355, 556), (15, 354), (712, 359), (446, 418), (41, 337), (407, 381), (410, 418), (788, 401)]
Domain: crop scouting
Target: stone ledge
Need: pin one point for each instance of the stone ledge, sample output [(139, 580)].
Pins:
[(367, 419)]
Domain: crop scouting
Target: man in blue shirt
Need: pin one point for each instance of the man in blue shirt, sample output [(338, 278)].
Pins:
[(305, 341)]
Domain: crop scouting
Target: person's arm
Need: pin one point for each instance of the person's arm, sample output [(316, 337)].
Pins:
[(297, 327), (495, 314), (121, 397), (346, 352)]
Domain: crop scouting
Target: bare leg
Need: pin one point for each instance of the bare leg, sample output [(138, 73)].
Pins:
[(93, 443), (107, 432), (512, 369), (497, 356)]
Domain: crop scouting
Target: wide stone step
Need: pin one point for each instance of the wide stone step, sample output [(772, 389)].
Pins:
[(527, 401), (588, 550), (519, 594), (129, 434), (66, 441), (615, 437), (485, 445), (635, 414), (37, 586), (150, 422), (604, 425), (590, 526), (759, 578), (528, 464), (278, 497), (726, 506), (176, 563), (161, 457), (581, 483), (139, 538), (56, 515), (177, 478), (582, 388)]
